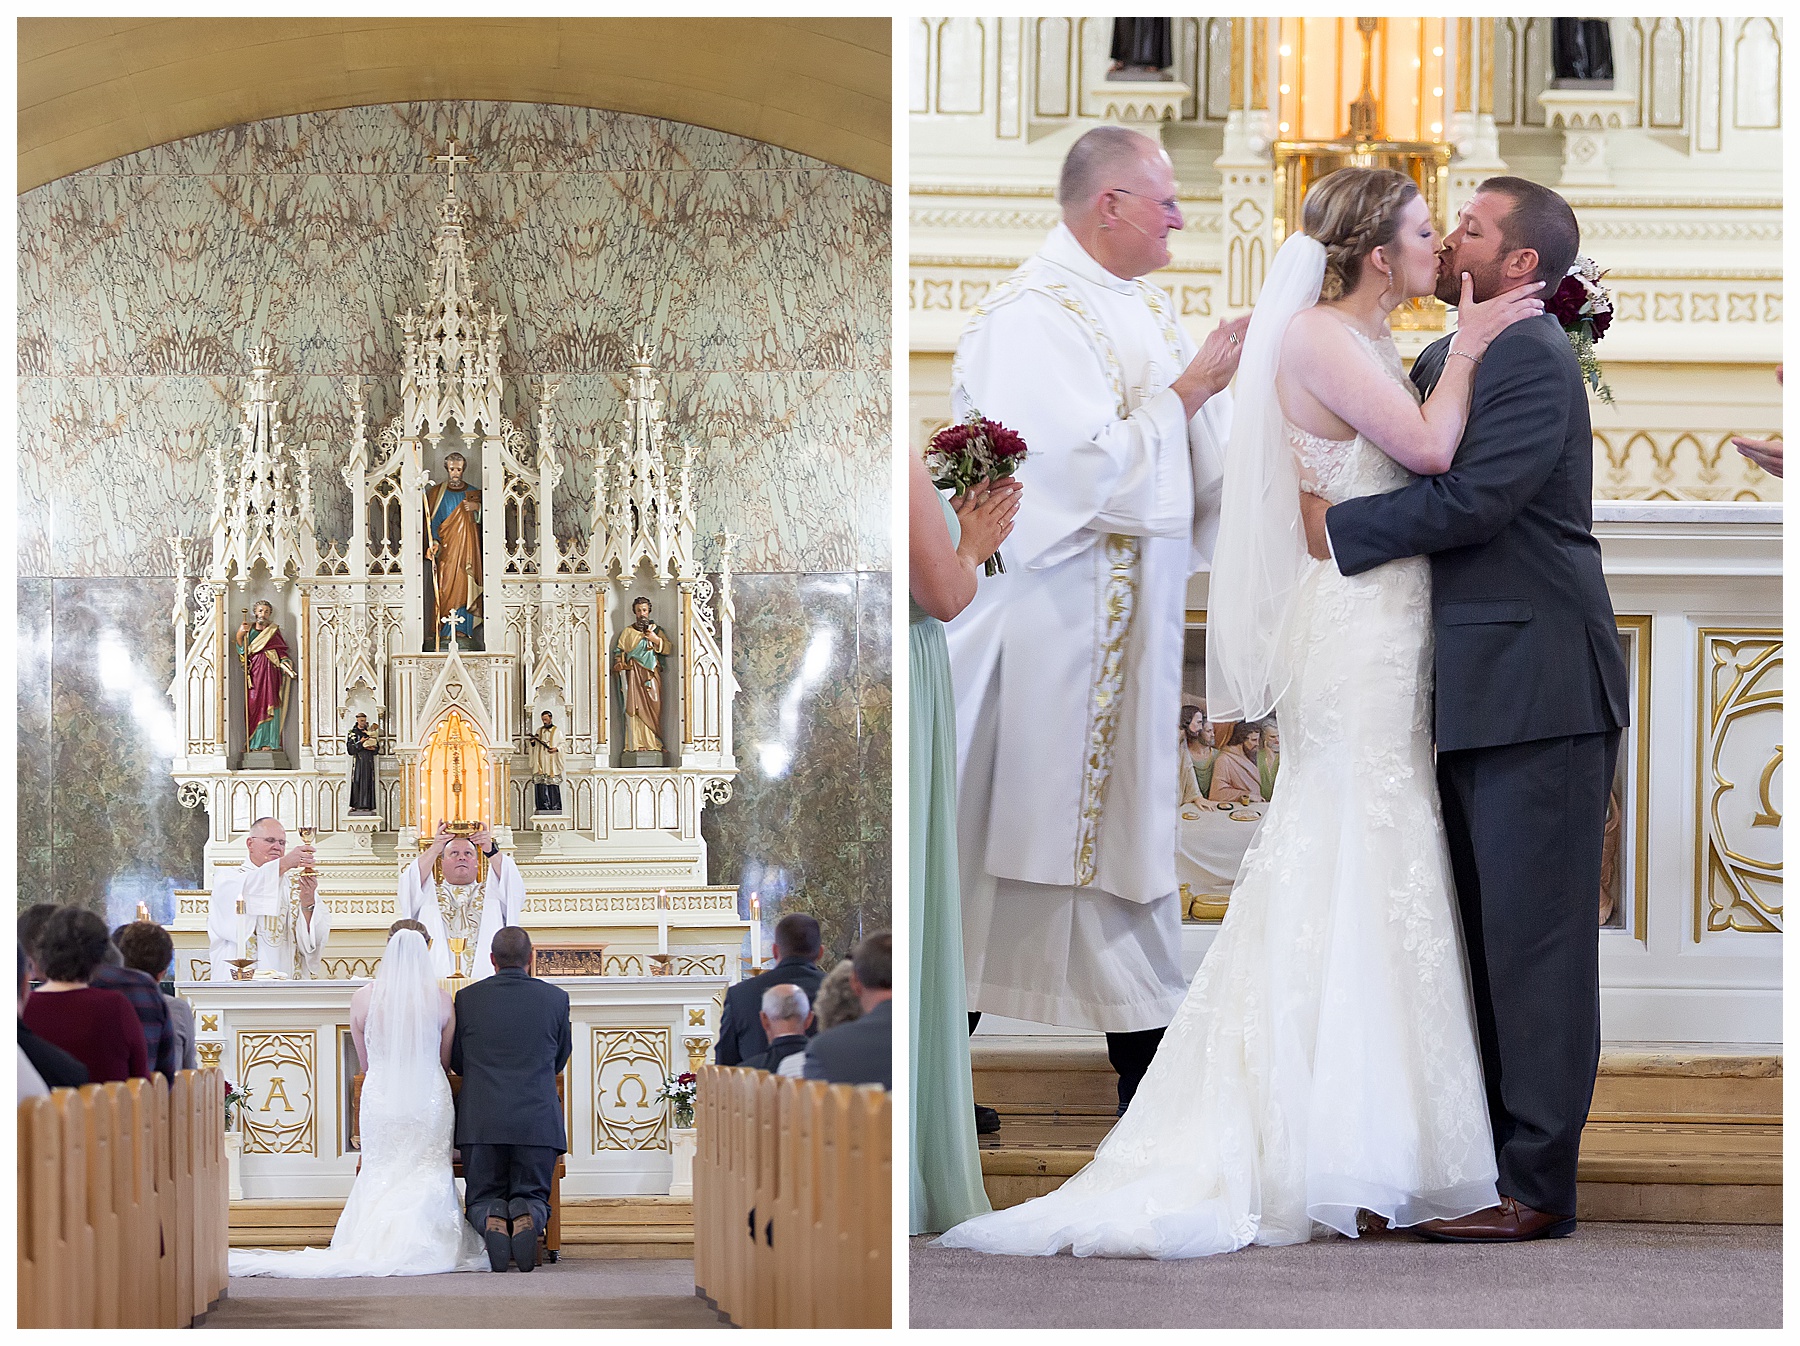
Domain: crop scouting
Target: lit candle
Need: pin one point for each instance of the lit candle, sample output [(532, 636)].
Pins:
[(755, 931), (662, 920)]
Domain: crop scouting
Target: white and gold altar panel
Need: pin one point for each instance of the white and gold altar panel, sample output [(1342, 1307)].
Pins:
[(289, 1044)]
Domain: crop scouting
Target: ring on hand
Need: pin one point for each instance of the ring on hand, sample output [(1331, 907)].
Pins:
[(1232, 338)]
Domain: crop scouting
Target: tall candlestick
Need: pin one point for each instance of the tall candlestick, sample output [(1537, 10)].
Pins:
[(755, 932)]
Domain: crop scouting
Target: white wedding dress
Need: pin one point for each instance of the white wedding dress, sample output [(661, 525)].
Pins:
[(403, 1216), (1325, 1057)]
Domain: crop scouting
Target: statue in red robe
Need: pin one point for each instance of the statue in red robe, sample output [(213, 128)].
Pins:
[(268, 676)]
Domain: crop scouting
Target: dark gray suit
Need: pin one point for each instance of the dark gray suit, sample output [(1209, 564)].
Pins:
[(859, 1052), (1531, 693), (512, 1039), (741, 1033)]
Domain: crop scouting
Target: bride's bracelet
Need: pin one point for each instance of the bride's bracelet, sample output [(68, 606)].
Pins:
[(1472, 359)]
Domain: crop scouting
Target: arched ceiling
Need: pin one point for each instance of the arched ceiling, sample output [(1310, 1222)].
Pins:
[(91, 90)]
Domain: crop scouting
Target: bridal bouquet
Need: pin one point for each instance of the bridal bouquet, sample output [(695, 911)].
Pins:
[(976, 451), (680, 1090), (1584, 308)]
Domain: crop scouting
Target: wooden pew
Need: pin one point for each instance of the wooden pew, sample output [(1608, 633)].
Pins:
[(122, 1203), (793, 1200)]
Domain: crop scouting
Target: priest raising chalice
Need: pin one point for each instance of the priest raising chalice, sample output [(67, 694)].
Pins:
[(444, 891)]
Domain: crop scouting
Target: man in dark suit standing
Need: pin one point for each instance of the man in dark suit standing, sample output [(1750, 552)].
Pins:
[(797, 950), (1530, 698), (861, 1051), (512, 1040)]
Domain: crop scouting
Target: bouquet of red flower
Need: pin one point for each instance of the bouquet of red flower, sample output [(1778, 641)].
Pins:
[(976, 451), (1584, 308)]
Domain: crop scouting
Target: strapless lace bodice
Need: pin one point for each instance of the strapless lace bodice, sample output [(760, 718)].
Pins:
[(1341, 469)]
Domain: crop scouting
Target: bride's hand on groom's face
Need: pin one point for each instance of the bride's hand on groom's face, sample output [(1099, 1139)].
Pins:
[(1479, 323), (1312, 515)]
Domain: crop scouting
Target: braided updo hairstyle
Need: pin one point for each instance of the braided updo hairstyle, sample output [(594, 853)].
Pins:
[(1352, 212)]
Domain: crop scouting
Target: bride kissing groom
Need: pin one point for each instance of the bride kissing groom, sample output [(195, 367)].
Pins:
[(1398, 1022)]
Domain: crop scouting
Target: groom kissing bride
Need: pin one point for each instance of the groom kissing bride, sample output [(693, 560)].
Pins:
[(1398, 1022), (508, 1037)]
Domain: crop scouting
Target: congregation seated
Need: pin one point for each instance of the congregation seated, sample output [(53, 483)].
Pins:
[(43, 1066), (861, 1051), (837, 1003), (147, 948), (95, 1025), (797, 950), (785, 1018)]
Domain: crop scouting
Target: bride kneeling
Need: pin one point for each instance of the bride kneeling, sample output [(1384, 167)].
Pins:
[(403, 1217)]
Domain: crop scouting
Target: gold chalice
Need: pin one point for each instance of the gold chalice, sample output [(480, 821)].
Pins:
[(241, 968), (458, 947), (308, 836)]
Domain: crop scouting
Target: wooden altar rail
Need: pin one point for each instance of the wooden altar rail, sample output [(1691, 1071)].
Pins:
[(792, 1200), (123, 1203)]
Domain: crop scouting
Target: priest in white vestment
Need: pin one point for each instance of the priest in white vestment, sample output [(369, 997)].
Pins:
[(462, 905), (1067, 667), (284, 922)]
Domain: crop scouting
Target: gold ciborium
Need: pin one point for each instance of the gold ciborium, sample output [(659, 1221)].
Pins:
[(458, 947), (309, 836)]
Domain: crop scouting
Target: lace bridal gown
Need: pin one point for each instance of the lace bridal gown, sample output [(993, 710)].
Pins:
[(1324, 1059), (403, 1216)]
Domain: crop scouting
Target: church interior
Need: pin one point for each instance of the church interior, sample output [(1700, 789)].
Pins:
[(519, 391), (1671, 152)]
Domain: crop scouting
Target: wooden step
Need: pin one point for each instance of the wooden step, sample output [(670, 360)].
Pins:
[(1676, 1133), (626, 1226)]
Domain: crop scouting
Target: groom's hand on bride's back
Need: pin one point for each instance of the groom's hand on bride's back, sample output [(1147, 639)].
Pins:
[(1312, 514)]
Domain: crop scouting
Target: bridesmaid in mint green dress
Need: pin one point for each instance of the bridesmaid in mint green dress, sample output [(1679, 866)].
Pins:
[(945, 556)]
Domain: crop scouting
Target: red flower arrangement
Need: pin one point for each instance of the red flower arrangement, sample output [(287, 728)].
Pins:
[(1584, 308), (970, 453)]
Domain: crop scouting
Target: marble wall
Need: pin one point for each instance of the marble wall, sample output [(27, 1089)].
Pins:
[(761, 277)]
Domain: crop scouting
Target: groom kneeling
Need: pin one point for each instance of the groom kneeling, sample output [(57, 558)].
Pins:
[(512, 1040)]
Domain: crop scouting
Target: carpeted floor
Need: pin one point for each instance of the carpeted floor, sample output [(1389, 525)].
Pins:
[(1606, 1275), (576, 1292)]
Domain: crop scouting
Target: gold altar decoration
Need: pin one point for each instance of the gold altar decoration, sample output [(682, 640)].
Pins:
[(454, 776), (1738, 886), (630, 1065), (278, 1070), (1395, 120)]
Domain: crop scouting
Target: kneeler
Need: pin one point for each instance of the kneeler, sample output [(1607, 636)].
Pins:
[(550, 1237)]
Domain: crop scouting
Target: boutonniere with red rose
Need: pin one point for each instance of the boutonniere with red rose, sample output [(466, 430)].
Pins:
[(972, 453), (1584, 308)]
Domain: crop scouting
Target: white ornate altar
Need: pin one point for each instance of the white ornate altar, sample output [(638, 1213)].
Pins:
[(618, 875), (623, 863), (289, 1044)]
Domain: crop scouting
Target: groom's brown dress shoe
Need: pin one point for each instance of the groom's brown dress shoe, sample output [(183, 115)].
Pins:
[(524, 1242), (1509, 1222), (498, 1237)]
